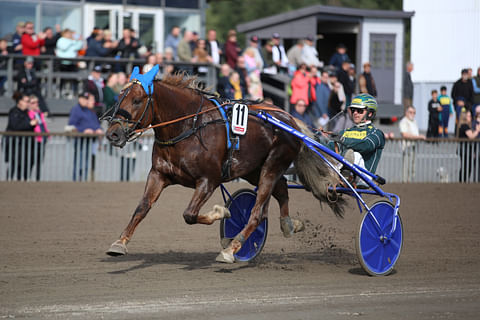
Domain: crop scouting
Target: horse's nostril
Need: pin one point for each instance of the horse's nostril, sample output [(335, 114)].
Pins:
[(113, 136)]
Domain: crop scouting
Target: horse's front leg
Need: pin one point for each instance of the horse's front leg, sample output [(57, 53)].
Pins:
[(154, 186), (203, 192)]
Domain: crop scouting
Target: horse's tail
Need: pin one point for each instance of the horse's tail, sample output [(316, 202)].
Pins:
[(317, 176)]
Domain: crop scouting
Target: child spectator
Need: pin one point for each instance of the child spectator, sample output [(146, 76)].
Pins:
[(434, 109), (447, 111)]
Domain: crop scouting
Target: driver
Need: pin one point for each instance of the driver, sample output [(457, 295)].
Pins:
[(361, 144)]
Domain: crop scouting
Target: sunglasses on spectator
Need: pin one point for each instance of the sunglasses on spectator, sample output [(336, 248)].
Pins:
[(358, 110)]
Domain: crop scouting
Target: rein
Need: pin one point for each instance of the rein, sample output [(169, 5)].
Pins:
[(166, 123)]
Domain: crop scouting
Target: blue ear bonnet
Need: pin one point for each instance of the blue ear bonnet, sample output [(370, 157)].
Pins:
[(146, 80)]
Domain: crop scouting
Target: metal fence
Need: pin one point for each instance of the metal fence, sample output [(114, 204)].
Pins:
[(81, 157)]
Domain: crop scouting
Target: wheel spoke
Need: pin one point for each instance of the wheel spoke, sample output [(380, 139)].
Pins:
[(370, 251)]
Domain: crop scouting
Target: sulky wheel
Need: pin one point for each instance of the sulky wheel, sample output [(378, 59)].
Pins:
[(377, 250), (240, 206)]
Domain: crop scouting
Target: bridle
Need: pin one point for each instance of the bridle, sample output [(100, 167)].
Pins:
[(112, 115)]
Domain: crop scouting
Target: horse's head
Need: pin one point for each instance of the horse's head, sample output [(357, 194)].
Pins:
[(134, 109)]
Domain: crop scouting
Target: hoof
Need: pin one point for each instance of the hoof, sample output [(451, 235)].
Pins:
[(117, 249), (290, 226), (222, 211), (225, 257)]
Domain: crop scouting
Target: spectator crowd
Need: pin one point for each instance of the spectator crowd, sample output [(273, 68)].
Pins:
[(319, 91)]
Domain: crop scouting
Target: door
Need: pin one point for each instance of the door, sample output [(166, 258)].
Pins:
[(382, 60), (147, 22)]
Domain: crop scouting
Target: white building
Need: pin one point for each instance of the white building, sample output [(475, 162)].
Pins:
[(445, 38), (151, 19)]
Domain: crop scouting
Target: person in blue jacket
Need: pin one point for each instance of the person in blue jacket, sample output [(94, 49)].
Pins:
[(84, 120)]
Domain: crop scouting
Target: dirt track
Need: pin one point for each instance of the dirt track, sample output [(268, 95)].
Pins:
[(54, 235)]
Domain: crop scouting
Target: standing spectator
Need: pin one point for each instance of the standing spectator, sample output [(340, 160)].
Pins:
[(346, 80), (232, 50), (279, 55), (193, 41), (51, 40), (67, 47), (434, 109), (320, 106), (253, 45), (408, 86), (339, 57), (172, 40), (366, 82), (109, 43), (94, 85), (467, 149), (95, 47), (476, 89), (128, 45), (299, 112), (310, 53), (28, 83), (294, 55), (409, 130), (183, 50), (303, 86), (200, 54), (31, 42), (268, 66), (17, 38), (83, 119), (447, 111), (463, 87), (17, 148), (213, 47), (38, 148), (253, 68), (109, 95)]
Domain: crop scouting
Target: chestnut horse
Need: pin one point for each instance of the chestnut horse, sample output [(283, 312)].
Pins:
[(190, 149)]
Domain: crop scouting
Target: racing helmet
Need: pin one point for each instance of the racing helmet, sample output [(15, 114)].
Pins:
[(364, 100)]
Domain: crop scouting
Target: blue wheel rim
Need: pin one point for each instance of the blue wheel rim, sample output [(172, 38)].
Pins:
[(240, 209), (378, 256)]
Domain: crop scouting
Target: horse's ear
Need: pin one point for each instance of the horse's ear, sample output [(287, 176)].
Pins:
[(148, 78), (135, 73)]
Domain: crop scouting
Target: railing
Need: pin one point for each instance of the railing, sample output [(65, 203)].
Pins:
[(80, 157)]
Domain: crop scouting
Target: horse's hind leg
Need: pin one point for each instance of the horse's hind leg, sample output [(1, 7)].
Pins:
[(287, 224), (154, 186)]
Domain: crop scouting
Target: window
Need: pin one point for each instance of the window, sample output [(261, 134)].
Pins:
[(190, 4), (13, 12)]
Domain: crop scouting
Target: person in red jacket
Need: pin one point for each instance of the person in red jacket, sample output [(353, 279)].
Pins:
[(232, 50), (32, 42), (303, 86)]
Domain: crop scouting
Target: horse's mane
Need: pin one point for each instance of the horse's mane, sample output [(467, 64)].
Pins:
[(181, 79)]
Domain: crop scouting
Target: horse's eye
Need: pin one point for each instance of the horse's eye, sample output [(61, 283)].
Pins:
[(136, 101)]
